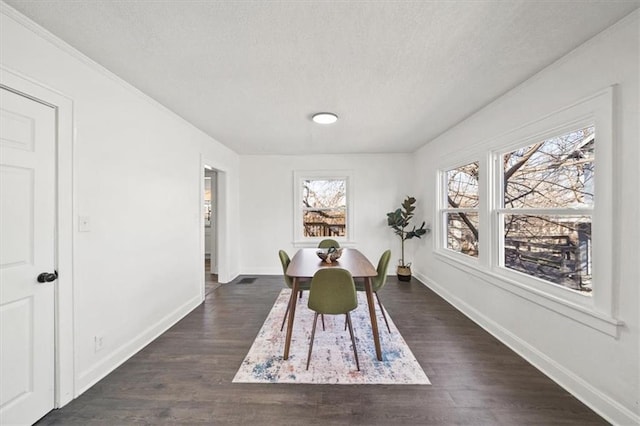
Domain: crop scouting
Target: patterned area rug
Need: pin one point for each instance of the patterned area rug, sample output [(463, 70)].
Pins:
[(332, 360)]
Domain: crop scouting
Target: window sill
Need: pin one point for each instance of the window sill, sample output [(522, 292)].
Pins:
[(583, 314)]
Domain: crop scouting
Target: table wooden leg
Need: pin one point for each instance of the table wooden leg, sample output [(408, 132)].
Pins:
[(372, 314), (292, 313)]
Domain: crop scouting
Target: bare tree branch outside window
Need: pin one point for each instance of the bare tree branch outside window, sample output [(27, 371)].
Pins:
[(462, 215), (324, 208), (555, 175)]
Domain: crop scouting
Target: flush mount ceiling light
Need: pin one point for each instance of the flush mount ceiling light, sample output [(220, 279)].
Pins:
[(325, 118)]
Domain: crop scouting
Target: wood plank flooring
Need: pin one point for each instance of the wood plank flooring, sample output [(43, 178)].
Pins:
[(184, 376)]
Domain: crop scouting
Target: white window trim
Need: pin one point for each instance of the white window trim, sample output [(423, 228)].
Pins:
[(597, 310), (299, 240)]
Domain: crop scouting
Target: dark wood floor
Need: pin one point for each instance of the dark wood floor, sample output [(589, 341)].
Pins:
[(184, 376), (210, 280)]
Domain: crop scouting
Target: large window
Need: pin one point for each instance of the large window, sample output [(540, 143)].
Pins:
[(547, 207), (460, 214), (322, 206), (532, 211)]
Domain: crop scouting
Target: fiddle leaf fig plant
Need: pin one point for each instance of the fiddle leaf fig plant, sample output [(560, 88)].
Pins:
[(399, 220)]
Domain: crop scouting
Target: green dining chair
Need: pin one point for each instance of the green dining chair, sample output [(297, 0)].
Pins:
[(332, 292), (379, 281), (328, 243), (302, 285)]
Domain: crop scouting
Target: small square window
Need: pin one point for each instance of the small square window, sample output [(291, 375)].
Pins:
[(323, 206)]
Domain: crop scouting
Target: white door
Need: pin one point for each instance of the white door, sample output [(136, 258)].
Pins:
[(27, 238)]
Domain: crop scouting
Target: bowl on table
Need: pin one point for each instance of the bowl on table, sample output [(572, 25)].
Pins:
[(329, 255)]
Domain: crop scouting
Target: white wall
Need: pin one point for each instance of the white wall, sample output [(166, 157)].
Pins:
[(266, 214), (137, 172), (601, 370)]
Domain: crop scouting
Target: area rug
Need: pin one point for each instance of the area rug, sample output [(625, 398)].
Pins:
[(332, 361)]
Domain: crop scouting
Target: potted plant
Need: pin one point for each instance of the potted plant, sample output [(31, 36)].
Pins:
[(399, 221)]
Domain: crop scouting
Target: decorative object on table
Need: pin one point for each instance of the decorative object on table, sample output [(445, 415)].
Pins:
[(330, 254), (333, 361), (399, 220), (328, 243)]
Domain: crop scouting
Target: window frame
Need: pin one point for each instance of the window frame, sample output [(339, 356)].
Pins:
[(499, 211), (596, 310), (299, 240), (444, 209)]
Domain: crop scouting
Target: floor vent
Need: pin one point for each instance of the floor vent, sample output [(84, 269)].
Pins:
[(247, 280)]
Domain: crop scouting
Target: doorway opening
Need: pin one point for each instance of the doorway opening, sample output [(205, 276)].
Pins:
[(210, 211)]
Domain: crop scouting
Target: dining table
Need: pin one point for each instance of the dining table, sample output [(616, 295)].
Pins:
[(305, 263)]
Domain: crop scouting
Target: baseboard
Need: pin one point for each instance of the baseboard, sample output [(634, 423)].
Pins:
[(232, 276), (100, 370), (609, 409)]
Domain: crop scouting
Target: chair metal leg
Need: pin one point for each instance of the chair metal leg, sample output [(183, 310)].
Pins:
[(322, 317), (382, 310), (313, 334), (353, 340)]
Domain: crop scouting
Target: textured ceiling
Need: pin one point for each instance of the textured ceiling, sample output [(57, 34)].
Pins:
[(251, 73)]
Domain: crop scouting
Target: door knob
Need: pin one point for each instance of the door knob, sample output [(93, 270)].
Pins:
[(47, 277)]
